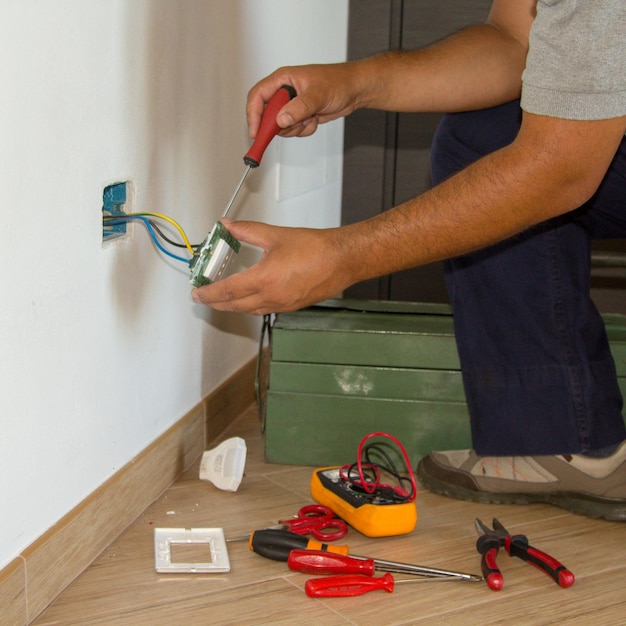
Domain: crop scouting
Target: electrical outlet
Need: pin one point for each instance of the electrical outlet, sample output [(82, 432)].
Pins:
[(212, 258), (114, 200)]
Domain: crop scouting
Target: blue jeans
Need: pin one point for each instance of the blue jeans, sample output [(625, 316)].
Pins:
[(538, 373)]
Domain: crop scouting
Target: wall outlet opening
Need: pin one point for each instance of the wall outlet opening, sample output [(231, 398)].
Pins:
[(115, 199)]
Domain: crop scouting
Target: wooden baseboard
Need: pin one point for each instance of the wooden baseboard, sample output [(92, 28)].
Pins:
[(31, 581), (232, 398), (13, 593)]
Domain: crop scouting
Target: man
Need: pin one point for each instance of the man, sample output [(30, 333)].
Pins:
[(528, 166)]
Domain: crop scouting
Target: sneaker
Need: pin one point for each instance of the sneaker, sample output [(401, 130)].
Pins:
[(595, 487)]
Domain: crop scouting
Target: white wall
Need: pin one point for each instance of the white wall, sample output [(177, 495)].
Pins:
[(102, 347)]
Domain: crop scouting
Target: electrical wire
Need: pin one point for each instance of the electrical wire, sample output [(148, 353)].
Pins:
[(372, 488), (366, 475), (390, 468), (153, 236), (159, 245), (142, 214), (168, 240)]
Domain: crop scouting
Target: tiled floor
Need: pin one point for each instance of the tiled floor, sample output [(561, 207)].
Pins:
[(121, 587)]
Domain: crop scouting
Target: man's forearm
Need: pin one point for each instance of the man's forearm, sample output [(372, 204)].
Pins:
[(472, 210), (553, 167), (478, 67)]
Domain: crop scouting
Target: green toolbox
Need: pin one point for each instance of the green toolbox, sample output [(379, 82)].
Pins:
[(338, 371)]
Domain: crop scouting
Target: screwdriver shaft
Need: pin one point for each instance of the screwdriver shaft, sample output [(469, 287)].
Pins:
[(426, 574), (232, 199), (406, 568), (267, 131)]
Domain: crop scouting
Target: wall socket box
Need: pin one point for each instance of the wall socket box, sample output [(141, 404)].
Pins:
[(114, 200)]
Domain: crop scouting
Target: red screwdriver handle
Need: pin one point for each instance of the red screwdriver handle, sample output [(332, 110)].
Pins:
[(320, 562), (269, 128), (517, 545), (345, 586)]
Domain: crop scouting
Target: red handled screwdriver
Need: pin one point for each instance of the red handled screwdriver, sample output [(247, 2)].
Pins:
[(357, 585), (279, 544), (316, 562), (267, 131), (345, 586)]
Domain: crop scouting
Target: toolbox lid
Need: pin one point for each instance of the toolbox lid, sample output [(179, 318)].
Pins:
[(371, 316), (385, 306)]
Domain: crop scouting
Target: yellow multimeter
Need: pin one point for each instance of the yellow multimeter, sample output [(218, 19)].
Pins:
[(372, 514)]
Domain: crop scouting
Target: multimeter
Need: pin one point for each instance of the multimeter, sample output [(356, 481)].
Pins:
[(376, 514)]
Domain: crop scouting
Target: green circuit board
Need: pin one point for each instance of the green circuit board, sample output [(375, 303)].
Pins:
[(213, 256)]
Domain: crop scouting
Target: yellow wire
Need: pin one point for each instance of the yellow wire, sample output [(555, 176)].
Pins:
[(163, 217)]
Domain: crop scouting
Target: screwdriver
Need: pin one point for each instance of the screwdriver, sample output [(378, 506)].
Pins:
[(277, 544), (320, 562), (357, 585), (212, 257), (267, 131)]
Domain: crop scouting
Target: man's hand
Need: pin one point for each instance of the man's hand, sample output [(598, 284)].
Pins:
[(299, 266), (478, 67), (324, 93)]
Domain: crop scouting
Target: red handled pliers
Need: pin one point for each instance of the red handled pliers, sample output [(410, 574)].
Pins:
[(489, 543)]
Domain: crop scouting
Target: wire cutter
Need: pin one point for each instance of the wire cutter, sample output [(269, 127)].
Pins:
[(489, 543)]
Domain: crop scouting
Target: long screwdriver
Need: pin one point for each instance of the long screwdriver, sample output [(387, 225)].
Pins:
[(320, 562), (277, 544), (267, 131)]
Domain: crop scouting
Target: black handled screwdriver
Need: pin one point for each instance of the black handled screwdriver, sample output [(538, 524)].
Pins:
[(277, 544)]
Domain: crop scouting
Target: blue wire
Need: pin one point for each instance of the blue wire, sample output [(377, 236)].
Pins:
[(146, 221)]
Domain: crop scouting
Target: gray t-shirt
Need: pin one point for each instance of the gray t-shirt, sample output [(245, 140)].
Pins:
[(576, 63)]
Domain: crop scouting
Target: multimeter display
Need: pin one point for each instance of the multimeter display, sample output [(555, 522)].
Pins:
[(332, 480)]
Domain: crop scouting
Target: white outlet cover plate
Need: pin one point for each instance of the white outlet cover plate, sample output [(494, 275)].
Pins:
[(164, 538)]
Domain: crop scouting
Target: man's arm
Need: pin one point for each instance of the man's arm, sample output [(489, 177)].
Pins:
[(475, 68), (478, 67), (552, 167)]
